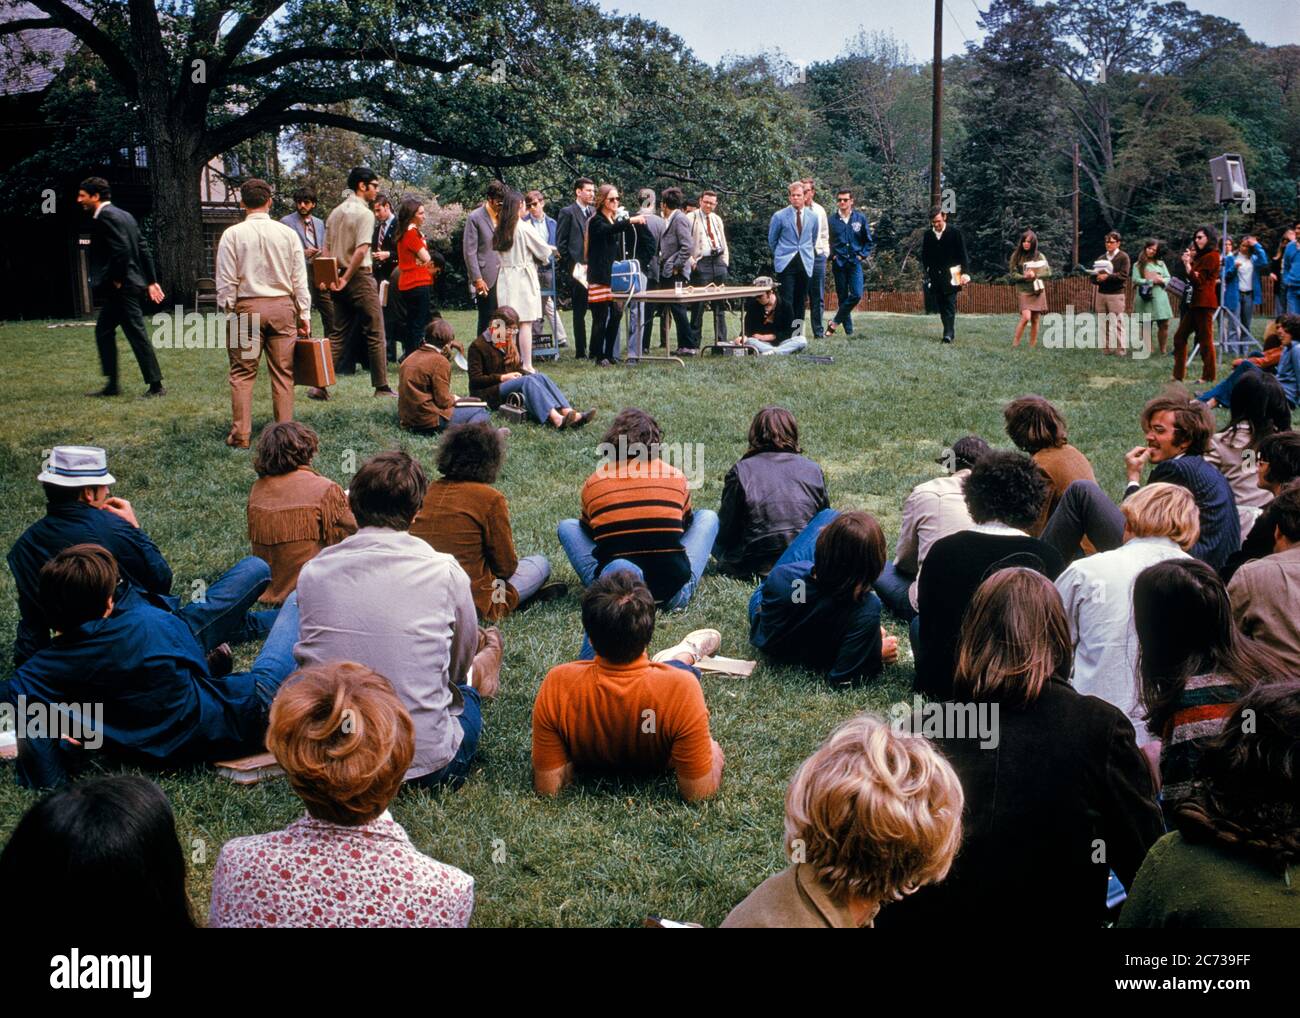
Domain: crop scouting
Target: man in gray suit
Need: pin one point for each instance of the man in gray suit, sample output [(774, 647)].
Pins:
[(482, 263), (676, 247), (311, 231)]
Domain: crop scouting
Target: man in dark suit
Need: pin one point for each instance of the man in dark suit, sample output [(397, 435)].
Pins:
[(943, 249), (383, 249), (570, 232), (121, 274), (676, 246)]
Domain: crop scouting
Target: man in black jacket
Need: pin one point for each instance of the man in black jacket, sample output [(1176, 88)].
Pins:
[(942, 250), (570, 232), (121, 273), (383, 250)]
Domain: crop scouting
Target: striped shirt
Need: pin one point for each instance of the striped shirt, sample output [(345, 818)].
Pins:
[(638, 509), (1206, 703)]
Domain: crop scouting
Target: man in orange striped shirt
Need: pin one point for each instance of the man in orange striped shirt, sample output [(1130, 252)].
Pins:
[(637, 516)]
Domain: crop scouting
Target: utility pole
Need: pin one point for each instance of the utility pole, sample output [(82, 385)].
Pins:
[(1075, 168), (936, 115)]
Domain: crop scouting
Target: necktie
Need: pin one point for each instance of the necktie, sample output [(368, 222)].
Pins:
[(798, 222), (708, 228), (311, 231)]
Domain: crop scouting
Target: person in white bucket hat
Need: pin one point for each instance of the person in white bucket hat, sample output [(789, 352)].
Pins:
[(80, 510)]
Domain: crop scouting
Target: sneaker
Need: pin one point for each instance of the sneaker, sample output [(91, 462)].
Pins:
[(701, 644)]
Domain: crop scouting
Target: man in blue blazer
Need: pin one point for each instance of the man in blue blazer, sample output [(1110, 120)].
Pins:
[(792, 238), (121, 275), (851, 245), (311, 231)]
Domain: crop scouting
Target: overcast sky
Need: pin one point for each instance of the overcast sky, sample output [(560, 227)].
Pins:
[(713, 28)]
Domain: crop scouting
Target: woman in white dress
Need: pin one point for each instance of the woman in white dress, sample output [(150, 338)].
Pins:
[(522, 251)]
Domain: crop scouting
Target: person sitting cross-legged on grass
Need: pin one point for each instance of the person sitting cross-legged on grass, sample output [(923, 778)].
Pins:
[(637, 515), (293, 512), (464, 516), (870, 817), (1194, 664), (104, 851), (143, 670), (1004, 493), (816, 607), (1177, 437), (1277, 467), (425, 403), (1280, 355), (387, 600), (496, 373), (933, 510), (1038, 429), (1057, 793), (619, 711), (770, 322), (1231, 860), (345, 742), (768, 497), (1160, 523)]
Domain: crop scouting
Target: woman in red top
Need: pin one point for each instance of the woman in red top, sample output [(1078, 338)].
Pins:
[(1202, 263), (417, 272)]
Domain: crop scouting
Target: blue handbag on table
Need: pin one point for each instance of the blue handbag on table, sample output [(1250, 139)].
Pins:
[(626, 277)]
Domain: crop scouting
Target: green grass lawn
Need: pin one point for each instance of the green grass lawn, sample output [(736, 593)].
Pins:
[(605, 852)]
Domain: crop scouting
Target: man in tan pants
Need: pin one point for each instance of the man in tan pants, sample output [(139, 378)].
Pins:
[(262, 279)]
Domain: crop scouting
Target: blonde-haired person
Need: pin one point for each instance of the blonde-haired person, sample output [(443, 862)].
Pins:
[(1057, 793), (345, 742), (1160, 522), (870, 817)]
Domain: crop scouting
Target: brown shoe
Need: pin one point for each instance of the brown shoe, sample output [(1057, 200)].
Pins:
[(236, 442), (486, 669), (386, 391), (315, 392), (580, 419)]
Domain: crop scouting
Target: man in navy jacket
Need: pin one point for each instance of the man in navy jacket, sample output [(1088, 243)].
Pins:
[(851, 245)]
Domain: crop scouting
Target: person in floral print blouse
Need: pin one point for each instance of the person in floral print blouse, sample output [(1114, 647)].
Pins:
[(345, 742)]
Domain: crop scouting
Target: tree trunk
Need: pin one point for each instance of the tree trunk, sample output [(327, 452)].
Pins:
[(175, 168)]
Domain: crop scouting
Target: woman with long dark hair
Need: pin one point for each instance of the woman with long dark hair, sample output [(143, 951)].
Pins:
[(1049, 774), (609, 231), (418, 270), (1193, 665), (1029, 268), (1259, 409), (1151, 299), (1231, 862), (522, 251), (1202, 264), (99, 856)]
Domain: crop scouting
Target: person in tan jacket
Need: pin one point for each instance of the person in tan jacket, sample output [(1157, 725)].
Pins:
[(293, 512), (465, 517), (1038, 430)]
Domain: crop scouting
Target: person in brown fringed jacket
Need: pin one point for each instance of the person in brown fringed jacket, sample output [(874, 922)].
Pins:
[(293, 512), (1203, 265)]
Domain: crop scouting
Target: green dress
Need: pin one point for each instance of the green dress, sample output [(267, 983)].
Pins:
[(1158, 306), (1204, 886)]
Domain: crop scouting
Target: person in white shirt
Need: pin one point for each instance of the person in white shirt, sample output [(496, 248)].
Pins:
[(821, 251), (933, 510), (387, 600), (709, 264), (262, 280), (1160, 522)]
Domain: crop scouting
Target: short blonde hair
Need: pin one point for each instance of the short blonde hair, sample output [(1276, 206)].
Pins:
[(1163, 510), (344, 740), (876, 813)]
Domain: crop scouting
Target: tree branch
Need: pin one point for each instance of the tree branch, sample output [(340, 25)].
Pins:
[(264, 65), (68, 19)]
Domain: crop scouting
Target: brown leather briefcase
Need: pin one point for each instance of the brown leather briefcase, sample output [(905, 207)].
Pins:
[(313, 362)]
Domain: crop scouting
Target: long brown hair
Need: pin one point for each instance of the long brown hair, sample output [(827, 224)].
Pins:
[(602, 195), (1019, 256), (1143, 260), (503, 238), (849, 555), (1014, 638), (773, 429)]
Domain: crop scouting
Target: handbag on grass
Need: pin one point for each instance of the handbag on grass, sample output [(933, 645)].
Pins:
[(514, 408), (313, 362)]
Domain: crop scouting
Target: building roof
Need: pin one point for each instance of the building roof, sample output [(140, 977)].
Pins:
[(32, 59)]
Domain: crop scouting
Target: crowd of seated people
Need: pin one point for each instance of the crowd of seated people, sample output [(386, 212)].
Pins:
[(1114, 645)]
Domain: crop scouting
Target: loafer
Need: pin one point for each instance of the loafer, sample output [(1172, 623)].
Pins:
[(315, 392)]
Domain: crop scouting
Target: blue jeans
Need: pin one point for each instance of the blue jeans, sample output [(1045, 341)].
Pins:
[(1293, 300), (697, 542), (786, 346), (541, 395), (817, 294), (454, 773), (1222, 393), (894, 590), (529, 576), (848, 288), (802, 549), (275, 661), (223, 616)]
